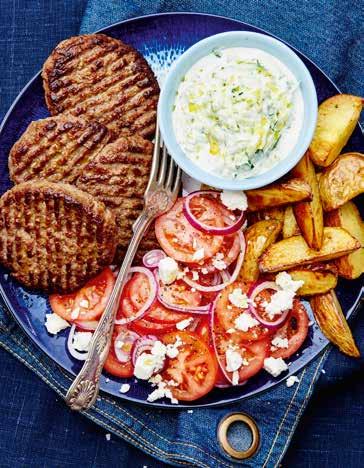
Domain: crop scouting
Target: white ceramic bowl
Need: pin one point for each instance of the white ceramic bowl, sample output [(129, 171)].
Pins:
[(237, 39)]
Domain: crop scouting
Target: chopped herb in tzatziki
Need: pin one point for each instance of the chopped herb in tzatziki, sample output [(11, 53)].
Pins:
[(238, 112)]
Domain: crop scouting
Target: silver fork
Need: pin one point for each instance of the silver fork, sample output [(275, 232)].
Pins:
[(159, 197)]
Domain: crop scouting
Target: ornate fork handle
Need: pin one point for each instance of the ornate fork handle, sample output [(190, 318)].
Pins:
[(84, 390)]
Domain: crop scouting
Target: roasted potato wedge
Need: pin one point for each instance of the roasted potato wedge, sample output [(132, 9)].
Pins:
[(290, 226), (264, 215), (348, 217), (318, 279), (309, 214), (258, 238), (342, 181), (330, 318), (337, 118), (294, 252), (279, 194)]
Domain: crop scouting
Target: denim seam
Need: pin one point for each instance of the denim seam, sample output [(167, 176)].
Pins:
[(283, 420), (148, 445), (302, 406), (114, 403)]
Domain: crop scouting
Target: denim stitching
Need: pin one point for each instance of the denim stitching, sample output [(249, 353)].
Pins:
[(147, 443), (283, 420), (113, 402), (302, 406)]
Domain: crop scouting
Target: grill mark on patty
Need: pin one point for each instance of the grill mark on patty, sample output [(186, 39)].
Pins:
[(56, 236), (56, 149), (101, 78), (118, 176)]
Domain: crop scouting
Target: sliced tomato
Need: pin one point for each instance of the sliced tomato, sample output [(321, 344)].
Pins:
[(253, 353), (194, 370), (90, 301), (230, 249), (180, 294), (147, 327), (295, 329), (138, 289), (180, 240), (227, 313), (142, 326), (203, 331), (112, 365)]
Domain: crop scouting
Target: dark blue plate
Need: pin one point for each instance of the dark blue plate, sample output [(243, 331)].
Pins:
[(160, 38)]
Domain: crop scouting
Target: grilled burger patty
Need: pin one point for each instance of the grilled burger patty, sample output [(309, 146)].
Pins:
[(53, 236), (118, 176), (56, 149), (103, 79)]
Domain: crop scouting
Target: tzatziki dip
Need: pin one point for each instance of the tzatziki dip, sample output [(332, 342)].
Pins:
[(238, 112)]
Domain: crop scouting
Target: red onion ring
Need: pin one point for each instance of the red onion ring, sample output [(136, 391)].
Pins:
[(81, 356), (142, 345), (152, 296), (234, 276), (212, 331), (127, 337), (231, 228), (178, 308), (258, 289), (152, 258)]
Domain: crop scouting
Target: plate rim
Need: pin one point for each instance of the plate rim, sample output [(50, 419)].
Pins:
[(181, 406)]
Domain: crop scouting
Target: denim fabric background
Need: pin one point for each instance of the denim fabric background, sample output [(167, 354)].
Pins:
[(35, 427)]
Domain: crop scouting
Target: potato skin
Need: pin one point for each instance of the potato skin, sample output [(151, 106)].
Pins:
[(258, 238), (331, 320), (318, 279), (294, 251), (283, 193), (309, 214), (264, 215), (337, 118), (349, 266), (342, 181)]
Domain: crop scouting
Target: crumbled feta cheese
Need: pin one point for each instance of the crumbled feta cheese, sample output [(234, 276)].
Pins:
[(234, 360), (310, 323), (280, 301), (81, 341), (219, 263), (323, 371), (230, 331), (75, 313), (148, 364), (238, 298), (108, 437), (84, 303), (184, 323), (162, 391), (275, 366), (172, 349), (190, 411), (54, 323), (279, 342), (234, 200), (198, 255), (193, 289), (285, 281), (168, 270), (292, 379), (107, 380), (124, 388), (204, 271), (235, 378), (245, 321), (195, 276)]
